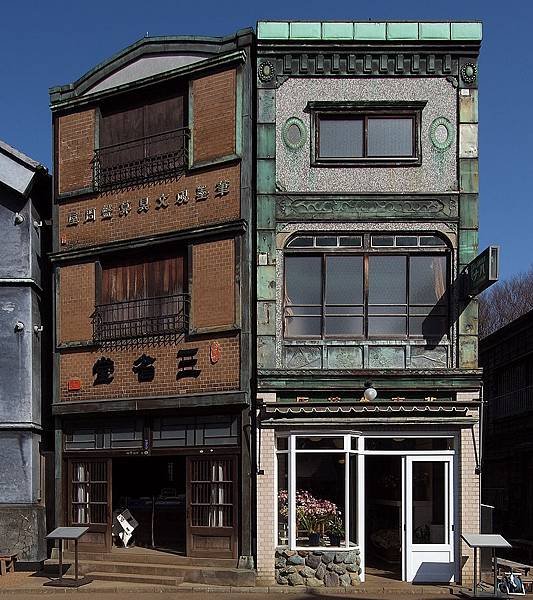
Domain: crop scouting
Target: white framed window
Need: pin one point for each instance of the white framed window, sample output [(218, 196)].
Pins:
[(320, 483), (317, 482)]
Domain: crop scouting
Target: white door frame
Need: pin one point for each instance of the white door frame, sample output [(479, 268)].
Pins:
[(414, 554)]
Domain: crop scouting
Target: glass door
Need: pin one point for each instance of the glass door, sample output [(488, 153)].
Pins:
[(428, 519)]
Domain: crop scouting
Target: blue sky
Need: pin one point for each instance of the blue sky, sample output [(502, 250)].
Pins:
[(54, 42)]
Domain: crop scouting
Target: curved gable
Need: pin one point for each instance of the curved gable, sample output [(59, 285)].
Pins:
[(146, 58)]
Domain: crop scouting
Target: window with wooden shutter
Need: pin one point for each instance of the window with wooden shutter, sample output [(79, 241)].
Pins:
[(141, 142), (142, 298)]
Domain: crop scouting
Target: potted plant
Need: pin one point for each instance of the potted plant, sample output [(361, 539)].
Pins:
[(310, 522), (335, 529)]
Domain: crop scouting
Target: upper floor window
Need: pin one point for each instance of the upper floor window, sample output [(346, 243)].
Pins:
[(141, 143), (378, 286), (142, 298), (375, 134)]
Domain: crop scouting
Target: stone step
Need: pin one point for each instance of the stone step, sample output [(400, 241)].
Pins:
[(163, 558), (208, 574), (156, 580)]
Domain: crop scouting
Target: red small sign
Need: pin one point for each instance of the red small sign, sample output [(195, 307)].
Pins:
[(215, 352), (73, 385)]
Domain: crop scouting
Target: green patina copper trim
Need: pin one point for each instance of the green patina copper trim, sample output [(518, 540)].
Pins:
[(365, 30), (445, 144), (285, 133)]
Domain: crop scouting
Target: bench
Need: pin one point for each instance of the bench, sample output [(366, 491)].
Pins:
[(7, 563), (506, 566)]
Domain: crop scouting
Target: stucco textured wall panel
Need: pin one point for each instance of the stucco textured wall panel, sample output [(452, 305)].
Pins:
[(16, 370), (213, 291), (19, 456), (76, 302), (214, 116), (23, 529), (438, 170), (15, 257)]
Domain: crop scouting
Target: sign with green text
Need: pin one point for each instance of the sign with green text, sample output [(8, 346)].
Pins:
[(482, 272)]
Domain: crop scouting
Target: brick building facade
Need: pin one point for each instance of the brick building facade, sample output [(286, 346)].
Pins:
[(368, 380), (152, 235)]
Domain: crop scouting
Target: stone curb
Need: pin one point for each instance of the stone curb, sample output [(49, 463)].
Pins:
[(415, 591)]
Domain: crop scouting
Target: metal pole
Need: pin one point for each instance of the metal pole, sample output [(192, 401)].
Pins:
[(76, 560), (475, 572), (60, 559), (495, 563)]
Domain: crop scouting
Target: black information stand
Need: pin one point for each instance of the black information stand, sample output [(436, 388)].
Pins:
[(68, 533), (485, 540)]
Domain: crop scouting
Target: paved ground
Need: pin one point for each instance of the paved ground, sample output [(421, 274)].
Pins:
[(20, 586)]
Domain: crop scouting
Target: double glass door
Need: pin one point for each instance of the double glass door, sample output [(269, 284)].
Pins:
[(428, 526)]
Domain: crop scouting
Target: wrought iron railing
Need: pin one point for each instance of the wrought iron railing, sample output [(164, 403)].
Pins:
[(158, 318), (153, 158)]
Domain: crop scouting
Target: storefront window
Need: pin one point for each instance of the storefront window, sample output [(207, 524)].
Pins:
[(320, 481), (317, 492)]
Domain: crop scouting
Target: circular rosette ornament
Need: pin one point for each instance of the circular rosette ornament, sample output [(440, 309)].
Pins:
[(469, 73), (266, 71), (294, 133), (441, 134)]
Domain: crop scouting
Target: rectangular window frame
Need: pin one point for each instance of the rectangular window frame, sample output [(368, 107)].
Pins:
[(366, 110), (151, 308), (366, 253), (353, 450)]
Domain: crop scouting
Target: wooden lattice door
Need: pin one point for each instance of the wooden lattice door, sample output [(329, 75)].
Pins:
[(89, 502), (211, 507)]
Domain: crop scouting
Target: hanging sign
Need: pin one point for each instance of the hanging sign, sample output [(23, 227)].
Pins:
[(483, 271)]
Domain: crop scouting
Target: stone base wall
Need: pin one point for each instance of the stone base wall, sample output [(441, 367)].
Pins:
[(22, 531), (316, 568)]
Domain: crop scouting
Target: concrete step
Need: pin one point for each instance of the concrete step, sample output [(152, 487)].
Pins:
[(163, 558), (188, 573), (156, 580)]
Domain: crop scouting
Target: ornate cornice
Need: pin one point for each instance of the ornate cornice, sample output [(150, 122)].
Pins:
[(319, 209), (304, 62)]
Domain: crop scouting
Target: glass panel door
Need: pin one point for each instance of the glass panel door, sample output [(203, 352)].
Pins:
[(428, 513)]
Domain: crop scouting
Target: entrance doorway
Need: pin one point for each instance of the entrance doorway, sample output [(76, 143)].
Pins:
[(383, 504), (153, 489), (409, 517)]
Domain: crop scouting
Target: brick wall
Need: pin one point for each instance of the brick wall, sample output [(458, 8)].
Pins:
[(468, 498), (266, 500), (213, 284), (193, 213), (76, 302), (214, 115), (222, 376), (75, 134)]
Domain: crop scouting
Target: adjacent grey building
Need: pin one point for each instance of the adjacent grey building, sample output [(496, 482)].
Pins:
[(24, 326)]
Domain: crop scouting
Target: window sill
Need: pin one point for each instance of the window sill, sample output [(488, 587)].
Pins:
[(367, 162)]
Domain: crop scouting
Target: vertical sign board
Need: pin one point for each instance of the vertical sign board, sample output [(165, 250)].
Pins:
[(483, 271)]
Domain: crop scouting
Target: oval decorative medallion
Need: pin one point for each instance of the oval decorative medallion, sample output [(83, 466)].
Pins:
[(215, 352), (469, 72), (441, 133), (266, 71), (294, 133)]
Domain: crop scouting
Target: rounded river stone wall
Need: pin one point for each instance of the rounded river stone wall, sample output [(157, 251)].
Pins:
[(315, 568)]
